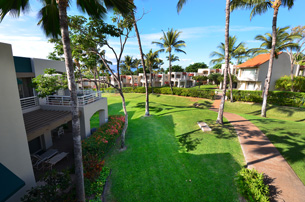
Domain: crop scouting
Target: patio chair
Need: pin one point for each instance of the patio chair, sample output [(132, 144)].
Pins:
[(60, 131), (54, 160), (37, 160)]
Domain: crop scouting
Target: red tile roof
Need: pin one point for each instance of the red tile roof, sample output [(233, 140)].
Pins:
[(256, 61)]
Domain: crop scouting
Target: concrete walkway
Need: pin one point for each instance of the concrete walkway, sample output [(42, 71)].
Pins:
[(262, 155)]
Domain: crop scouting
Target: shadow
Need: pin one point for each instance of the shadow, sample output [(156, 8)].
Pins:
[(273, 190), (301, 120), (189, 143), (289, 111), (203, 105), (263, 159), (225, 131)]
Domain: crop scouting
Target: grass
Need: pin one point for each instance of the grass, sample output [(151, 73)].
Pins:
[(168, 158), (284, 127)]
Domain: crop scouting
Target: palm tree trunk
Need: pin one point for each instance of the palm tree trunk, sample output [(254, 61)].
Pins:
[(222, 103), (268, 78), (151, 80), (170, 72), (143, 64), (231, 84), (80, 190)]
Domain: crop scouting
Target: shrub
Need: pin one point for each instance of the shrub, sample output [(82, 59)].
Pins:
[(281, 98), (285, 83), (251, 186), (53, 190), (189, 92)]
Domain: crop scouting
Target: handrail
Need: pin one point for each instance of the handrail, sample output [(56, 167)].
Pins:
[(29, 102), (66, 100)]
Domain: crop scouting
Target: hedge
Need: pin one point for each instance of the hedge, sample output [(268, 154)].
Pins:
[(281, 98), (188, 92)]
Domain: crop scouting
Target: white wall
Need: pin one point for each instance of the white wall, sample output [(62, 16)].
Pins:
[(14, 150), (41, 64)]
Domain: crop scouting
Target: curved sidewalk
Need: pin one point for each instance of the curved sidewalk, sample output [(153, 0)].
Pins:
[(262, 155)]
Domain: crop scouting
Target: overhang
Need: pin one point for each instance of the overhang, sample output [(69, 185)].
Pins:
[(41, 121)]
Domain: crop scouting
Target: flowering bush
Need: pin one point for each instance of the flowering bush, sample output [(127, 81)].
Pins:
[(94, 149)]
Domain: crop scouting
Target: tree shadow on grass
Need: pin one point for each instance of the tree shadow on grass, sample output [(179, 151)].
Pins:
[(225, 131), (188, 142), (289, 111)]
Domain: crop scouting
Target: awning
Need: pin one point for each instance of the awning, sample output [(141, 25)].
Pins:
[(40, 121), (9, 183)]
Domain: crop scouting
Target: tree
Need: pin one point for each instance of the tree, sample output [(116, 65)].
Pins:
[(222, 103), (176, 68), (259, 7), (128, 64), (174, 58), (169, 42), (150, 59), (54, 22), (142, 60), (194, 67), (295, 55), (235, 51), (49, 83), (200, 79), (216, 78), (217, 66)]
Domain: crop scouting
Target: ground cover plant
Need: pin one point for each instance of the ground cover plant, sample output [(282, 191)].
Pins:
[(168, 158), (284, 127)]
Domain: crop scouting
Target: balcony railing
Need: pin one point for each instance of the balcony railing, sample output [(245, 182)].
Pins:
[(66, 100), (29, 102)]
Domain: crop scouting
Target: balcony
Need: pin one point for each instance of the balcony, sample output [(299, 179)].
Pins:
[(29, 102), (85, 99), (253, 77)]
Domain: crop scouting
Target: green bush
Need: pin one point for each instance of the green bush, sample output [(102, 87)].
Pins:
[(285, 83), (189, 92), (251, 186), (281, 98)]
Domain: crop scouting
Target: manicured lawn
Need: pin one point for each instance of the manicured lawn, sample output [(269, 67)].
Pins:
[(206, 87), (276, 112), (168, 158), (285, 128)]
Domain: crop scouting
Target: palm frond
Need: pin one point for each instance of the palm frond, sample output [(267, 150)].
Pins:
[(180, 5), (13, 7)]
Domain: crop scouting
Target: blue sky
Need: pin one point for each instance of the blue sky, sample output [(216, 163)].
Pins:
[(201, 22)]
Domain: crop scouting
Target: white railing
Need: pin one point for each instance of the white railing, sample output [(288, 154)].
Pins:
[(66, 100), (29, 102), (248, 77)]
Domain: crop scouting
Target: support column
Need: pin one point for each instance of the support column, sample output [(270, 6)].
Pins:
[(102, 117), (47, 140)]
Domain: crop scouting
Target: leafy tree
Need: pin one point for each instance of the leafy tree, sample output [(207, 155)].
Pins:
[(216, 78), (286, 84), (194, 67), (200, 79), (222, 103), (169, 42), (217, 66), (259, 7), (175, 68), (54, 22), (49, 83)]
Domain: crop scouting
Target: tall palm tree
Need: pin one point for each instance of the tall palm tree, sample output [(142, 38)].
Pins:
[(54, 20), (222, 103), (259, 7), (142, 61), (169, 42), (235, 52), (150, 60)]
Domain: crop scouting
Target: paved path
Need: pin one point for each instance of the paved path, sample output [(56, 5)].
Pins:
[(262, 155)]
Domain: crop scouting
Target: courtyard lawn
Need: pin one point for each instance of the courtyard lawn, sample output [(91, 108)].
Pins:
[(205, 87), (284, 128), (168, 158)]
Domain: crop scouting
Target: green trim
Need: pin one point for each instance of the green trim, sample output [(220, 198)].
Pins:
[(9, 183), (23, 64)]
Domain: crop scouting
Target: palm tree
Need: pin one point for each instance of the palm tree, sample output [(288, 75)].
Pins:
[(284, 41), (170, 42), (222, 103), (259, 7), (235, 52), (174, 58), (54, 20), (129, 63), (142, 61), (151, 59)]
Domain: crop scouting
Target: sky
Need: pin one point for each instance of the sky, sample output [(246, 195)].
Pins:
[(201, 22)]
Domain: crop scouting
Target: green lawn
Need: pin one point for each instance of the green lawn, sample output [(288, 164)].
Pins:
[(205, 87), (168, 158), (285, 128)]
